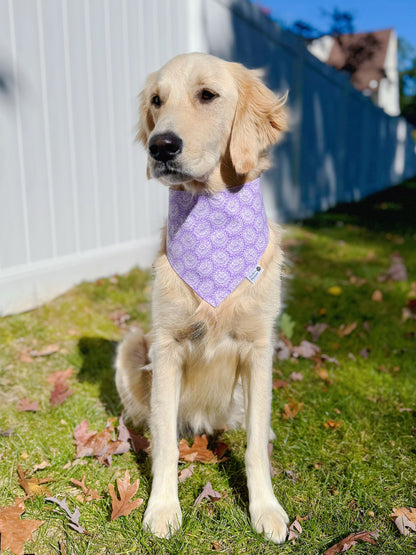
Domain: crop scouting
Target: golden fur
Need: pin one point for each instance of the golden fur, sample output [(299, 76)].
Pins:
[(205, 368)]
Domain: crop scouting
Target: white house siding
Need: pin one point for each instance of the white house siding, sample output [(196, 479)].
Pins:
[(74, 200), (388, 92)]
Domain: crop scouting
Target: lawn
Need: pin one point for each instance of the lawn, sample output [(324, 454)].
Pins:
[(344, 416)]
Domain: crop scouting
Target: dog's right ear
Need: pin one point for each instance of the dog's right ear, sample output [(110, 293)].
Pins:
[(260, 118), (146, 123)]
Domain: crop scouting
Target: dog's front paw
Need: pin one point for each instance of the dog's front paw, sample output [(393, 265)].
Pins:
[(163, 519), (270, 520)]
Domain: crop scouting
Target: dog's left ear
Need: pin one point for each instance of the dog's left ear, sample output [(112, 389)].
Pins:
[(259, 119)]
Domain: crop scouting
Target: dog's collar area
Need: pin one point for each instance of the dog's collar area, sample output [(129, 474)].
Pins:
[(215, 241)]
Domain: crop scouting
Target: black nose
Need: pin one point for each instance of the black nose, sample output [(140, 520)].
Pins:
[(165, 146)]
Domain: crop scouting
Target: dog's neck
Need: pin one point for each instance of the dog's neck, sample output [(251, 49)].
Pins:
[(215, 241), (224, 176)]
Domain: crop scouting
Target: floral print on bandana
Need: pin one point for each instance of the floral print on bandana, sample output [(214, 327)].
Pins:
[(214, 241)]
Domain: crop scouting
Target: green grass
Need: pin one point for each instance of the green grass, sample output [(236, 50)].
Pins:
[(346, 479)]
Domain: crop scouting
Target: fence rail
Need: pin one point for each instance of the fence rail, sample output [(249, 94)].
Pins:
[(74, 200)]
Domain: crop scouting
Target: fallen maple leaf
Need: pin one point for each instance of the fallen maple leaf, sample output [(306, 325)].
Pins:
[(32, 486), (291, 409), (295, 529), (306, 349), (61, 390), (138, 442), (98, 444), (296, 376), (26, 405), (186, 473), (278, 384), (120, 318), (377, 296), (46, 351), (332, 424), (89, 494), (365, 353), (207, 493), (72, 517), (41, 466), (316, 330), (14, 531), (345, 330), (125, 505), (397, 270), (404, 519), (348, 542), (60, 393), (198, 451)]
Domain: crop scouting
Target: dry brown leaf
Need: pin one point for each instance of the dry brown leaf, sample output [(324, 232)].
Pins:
[(89, 494), (295, 529), (198, 451), (296, 376), (14, 531), (279, 384), (377, 296), (98, 444), (26, 405), (41, 466), (32, 486), (316, 330), (186, 473), (120, 317), (61, 375), (138, 442), (25, 356), (306, 349), (60, 393), (73, 518), (346, 329), (348, 542), (397, 270), (404, 519), (125, 505), (207, 493), (46, 351), (291, 409), (61, 390), (332, 424)]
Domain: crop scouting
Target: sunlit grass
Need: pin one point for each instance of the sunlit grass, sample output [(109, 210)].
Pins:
[(344, 479)]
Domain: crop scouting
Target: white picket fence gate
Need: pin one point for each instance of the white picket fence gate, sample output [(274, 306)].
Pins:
[(74, 200)]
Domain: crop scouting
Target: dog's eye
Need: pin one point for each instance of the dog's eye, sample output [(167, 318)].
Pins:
[(206, 95), (156, 100)]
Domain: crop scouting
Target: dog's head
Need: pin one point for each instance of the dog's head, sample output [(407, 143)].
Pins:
[(201, 116)]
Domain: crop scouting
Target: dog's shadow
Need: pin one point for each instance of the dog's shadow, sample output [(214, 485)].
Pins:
[(98, 355)]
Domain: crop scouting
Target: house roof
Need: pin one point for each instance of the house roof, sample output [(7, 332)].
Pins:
[(363, 55)]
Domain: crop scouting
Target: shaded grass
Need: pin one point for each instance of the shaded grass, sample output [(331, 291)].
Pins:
[(346, 479)]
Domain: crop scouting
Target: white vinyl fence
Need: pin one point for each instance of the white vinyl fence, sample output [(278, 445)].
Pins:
[(75, 203)]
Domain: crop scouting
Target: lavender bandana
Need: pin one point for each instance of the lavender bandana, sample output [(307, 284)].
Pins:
[(214, 241)]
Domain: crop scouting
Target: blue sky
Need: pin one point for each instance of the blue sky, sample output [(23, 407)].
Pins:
[(369, 15)]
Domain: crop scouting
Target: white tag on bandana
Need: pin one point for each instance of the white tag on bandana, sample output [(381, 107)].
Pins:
[(254, 273)]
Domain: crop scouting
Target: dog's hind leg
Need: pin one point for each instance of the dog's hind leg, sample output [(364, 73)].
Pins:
[(133, 376), (267, 515)]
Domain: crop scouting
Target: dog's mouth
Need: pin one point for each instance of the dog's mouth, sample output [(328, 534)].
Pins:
[(170, 173)]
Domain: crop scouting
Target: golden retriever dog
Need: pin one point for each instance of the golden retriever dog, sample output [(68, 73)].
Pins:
[(206, 124)]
